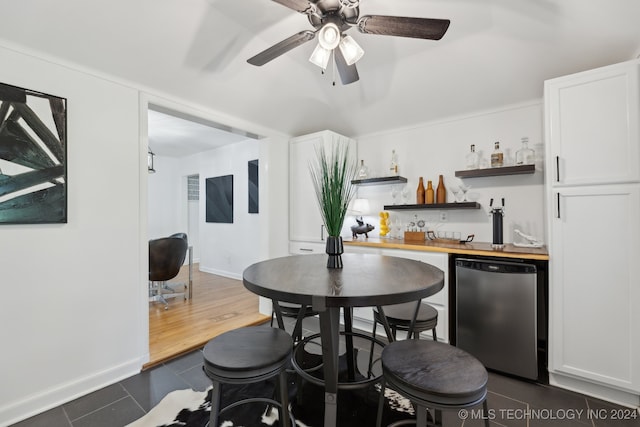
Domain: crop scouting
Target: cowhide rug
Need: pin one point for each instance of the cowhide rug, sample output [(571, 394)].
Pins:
[(190, 408)]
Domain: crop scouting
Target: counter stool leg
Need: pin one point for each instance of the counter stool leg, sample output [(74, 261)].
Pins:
[(437, 417), (380, 403), (215, 404), (348, 327), (485, 412), (373, 334), (284, 399)]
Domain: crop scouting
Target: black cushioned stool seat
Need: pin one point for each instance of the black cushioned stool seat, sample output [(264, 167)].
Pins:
[(244, 356), (433, 375), (399, 317)]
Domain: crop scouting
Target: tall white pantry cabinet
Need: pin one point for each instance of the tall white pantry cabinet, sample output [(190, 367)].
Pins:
[(592, 130)]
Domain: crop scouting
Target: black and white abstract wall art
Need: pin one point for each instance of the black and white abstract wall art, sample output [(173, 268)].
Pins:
[(219, 199), (33, 157), (254, 205)]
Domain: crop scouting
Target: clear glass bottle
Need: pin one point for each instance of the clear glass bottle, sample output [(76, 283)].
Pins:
[(525, 155), (363, 172), (473, 160), (393, 168), (497, 157)]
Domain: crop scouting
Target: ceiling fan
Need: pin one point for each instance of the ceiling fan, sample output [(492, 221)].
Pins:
[(331, 19)]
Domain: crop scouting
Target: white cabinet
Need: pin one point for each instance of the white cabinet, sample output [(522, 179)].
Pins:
[(593, 218), (594, 284), (305, 221), (592, 126), (306, 248)]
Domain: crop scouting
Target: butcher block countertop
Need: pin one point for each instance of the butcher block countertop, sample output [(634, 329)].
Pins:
[(472, 248)]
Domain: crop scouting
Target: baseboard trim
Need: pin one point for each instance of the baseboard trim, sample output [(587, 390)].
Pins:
[(598, 391), (222, 273), (52, 397)]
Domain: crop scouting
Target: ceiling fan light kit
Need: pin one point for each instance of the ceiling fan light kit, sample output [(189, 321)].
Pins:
[(351, 50), (320, 56), (331, 19), (329, 36)]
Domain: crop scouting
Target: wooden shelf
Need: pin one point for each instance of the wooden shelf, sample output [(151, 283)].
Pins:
[(380, 181), (505, 170), (461, 205)]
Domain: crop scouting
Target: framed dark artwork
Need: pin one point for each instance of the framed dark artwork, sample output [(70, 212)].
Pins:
[(254, 206), (33, 157), (219, 202)]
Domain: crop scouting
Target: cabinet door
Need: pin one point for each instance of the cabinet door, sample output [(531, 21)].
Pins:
[(594, 287), (592, 121), (305, 221)]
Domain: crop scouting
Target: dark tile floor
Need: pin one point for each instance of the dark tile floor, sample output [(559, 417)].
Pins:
[(511, 402)]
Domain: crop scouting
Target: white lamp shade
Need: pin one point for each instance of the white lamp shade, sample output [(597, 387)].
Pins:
[(351, 50), (320, 56), (361, 206), (329, 36)]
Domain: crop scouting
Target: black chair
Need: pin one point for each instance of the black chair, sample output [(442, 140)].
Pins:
[(399, 318), (166, 257), (433, 375), (249, 355)]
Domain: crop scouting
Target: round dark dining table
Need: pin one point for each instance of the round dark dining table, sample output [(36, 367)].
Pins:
[(366, 280)]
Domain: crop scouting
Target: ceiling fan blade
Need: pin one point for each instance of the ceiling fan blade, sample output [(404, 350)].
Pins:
[(348, 73), (281, 48), (419, 28), (302, 6)]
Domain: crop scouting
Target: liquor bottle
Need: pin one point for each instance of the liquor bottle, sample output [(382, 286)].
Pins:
[(441, 191), (430, 199), (525, 155), (393, 168), (420, 192), (497, 157), (472, 158), (363, 172)]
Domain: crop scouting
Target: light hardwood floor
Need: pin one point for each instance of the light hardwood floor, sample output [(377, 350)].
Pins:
[(219, 304)]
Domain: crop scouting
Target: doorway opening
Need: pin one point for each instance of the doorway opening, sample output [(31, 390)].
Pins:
[(219, 302)]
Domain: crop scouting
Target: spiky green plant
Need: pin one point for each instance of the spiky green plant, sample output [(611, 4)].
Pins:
[(331, 174)]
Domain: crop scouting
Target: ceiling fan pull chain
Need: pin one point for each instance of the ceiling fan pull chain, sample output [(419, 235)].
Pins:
[(333, 57)]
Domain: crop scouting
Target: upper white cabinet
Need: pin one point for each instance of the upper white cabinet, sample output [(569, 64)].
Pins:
[(592, 126), (305, 221)]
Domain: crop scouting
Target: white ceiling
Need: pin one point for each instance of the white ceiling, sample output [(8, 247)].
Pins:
[(175, 135), (496, 53)]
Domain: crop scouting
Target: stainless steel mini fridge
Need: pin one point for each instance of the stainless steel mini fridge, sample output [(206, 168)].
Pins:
[(496, 308)]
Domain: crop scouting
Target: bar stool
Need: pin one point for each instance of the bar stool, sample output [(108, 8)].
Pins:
[(296, 311), (399, 318), (244, 356), (433, 375)]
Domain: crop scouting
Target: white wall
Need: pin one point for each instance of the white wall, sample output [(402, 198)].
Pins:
[(164, 198), (431, 149), (75, 317), (71, 318), (227, 249)]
